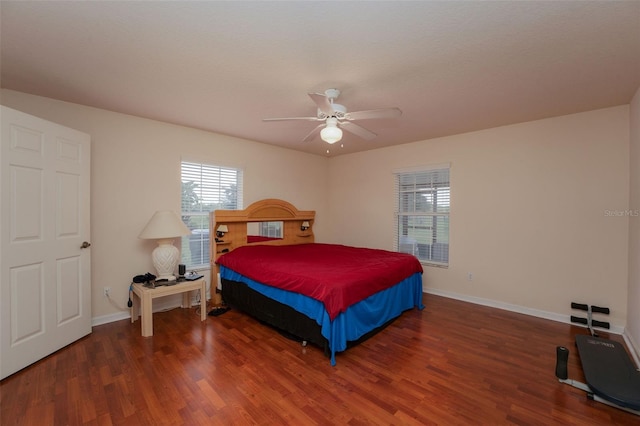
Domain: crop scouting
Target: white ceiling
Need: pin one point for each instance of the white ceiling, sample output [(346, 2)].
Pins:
[(451, 67)]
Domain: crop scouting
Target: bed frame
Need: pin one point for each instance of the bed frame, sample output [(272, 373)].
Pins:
[(283, 318), (268, 210), (239, 295)]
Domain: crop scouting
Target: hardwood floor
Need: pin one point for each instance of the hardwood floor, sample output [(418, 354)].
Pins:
[(452, 363)]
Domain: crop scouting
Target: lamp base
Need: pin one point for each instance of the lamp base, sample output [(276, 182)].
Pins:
[(165, 259)]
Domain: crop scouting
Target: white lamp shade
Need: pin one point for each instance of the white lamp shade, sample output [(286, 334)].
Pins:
[(331, 133), (223, 228), (164, 224)]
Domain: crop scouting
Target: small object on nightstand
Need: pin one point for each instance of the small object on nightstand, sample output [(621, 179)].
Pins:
[(144, 278), (191, 276)]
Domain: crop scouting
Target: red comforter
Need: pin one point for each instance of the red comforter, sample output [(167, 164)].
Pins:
[(336, 275)]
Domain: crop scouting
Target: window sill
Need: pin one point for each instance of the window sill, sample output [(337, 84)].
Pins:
[(435, 265)]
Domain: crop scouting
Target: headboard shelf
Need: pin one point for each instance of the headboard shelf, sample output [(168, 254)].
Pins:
[(267, 210)]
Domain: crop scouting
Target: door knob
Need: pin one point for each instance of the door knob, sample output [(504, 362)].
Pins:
[(85, 244)]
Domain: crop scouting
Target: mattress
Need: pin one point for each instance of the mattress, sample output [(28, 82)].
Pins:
[(346, 291), (335, 275)]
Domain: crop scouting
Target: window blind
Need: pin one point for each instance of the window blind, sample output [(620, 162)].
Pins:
[(205, 188), (422, 214)]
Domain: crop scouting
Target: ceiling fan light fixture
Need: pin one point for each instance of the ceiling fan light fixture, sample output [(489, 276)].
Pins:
[(334, 118), (331, 133)]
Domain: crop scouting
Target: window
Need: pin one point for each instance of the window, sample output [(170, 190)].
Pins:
[(422, 214), (205, 188), (271, 229)]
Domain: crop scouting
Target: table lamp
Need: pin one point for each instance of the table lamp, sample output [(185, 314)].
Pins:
[(164, 226)]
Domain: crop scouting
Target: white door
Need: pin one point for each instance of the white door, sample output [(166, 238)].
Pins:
[(45, 275)]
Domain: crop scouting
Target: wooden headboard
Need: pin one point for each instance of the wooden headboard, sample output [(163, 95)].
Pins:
[(268, 210)]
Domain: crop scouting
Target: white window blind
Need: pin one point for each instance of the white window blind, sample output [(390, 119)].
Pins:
[(205, 188), (422, 214), (270, 229)]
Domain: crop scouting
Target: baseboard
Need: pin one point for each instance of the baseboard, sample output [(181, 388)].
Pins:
[(106, 319), (616, 329), (631, 345), (499, 305), (169, 302), (160, 304)]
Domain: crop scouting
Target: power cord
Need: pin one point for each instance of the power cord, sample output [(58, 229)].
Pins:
[(118, 306)]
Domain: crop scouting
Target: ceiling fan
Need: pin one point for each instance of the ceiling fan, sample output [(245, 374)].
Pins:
[(335, 118)]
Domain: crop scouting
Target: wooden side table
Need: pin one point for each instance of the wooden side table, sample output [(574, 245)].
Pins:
[(144, 296)]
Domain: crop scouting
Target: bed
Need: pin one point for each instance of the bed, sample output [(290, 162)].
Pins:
[(330, 295)]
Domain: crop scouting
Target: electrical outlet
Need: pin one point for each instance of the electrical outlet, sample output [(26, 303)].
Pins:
[(106, 291), (470, 276)]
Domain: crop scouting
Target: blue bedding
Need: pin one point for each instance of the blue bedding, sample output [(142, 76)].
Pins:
[(357, 320)]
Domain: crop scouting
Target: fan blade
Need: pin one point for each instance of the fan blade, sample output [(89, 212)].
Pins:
[(323, 103), (357, 130), (293, 118), (373, 113), (312, 134)]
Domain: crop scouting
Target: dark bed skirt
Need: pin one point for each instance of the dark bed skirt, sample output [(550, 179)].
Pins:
[(283, 318)]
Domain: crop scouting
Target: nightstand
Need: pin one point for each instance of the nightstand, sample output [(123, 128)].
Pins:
[(143, 296)]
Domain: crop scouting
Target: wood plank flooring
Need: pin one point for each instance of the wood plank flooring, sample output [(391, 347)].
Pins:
[(453, 363)]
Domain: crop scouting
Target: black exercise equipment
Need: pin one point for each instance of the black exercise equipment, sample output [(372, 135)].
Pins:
[(589, 321), (611, 376)]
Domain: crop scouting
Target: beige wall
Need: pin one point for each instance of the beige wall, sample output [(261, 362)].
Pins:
[(529, 205), (135, 170), (633, 307), (529, 201)]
